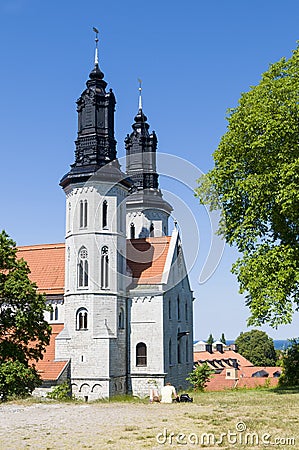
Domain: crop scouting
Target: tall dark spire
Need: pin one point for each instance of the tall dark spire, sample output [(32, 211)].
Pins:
[(95, 144), (141, 149)]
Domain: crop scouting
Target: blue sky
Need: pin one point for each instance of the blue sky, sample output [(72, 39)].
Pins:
[(194, 57)]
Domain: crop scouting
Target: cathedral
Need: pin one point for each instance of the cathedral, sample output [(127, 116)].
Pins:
[(122, 306)]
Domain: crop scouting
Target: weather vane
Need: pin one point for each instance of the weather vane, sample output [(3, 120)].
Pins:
[(96, 58), (140, 91)]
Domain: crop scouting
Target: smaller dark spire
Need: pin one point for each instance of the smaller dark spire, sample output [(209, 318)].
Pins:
[(141, 169)]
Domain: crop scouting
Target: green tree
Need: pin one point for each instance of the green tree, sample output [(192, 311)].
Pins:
[(255, 185), (290, 365), (23, 331), (222, 339), (210, 339), (258, 347), (200, 376)]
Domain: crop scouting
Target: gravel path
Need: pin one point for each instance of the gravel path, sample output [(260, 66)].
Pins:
[(97, 426)]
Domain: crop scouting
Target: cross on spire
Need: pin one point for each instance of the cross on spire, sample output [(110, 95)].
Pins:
[(96, 56), (140, 94)]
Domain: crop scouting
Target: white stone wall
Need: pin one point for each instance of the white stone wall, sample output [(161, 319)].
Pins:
[(142, 221), (146, 320)]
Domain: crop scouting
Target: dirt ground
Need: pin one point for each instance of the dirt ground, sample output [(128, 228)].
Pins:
[(95, 426), (240, 415)]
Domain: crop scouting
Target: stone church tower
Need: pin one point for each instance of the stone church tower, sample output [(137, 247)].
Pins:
[(94, 336)]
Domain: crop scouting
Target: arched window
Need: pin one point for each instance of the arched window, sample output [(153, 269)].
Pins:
[(52, 314), (178, 308), (69, 217), (141, 354), (179, 352), (152, 230), (121, 219), (121, 319), (82, 319), (56, 313), (104, 214), (104, 268), (83, 268), (132, 231), (187, 349), (170, 352), (83, 213)]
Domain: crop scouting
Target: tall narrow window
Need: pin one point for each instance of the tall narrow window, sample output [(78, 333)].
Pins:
[(121, 319), (56, 313), (186, 311), (187, 349), (132, 231), (152, 230), (69, 216), (82, 319), (179, 309), (121, 221), (104, 268), (170, 352), (104, 214), (179, 352), (83, 213), (52, 314), (83, 268), (169, 309), (141, 354)]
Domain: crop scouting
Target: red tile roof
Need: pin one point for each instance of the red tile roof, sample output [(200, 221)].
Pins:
[(227, 354), (46, 263), (146, 259), (249, 371), (48, 368)]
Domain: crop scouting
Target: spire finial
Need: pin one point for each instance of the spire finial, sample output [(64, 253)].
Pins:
[(140, 94), (96, 56)]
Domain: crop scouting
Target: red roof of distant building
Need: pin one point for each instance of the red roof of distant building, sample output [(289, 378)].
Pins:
[(227, 354), (244, 373)]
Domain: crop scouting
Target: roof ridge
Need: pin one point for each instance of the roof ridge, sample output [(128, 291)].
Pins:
[(40, 246)]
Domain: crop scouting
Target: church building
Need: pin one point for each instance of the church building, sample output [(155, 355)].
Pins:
[(122, 306)]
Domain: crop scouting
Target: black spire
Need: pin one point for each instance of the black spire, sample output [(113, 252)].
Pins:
[(141, 149), (95, 144)]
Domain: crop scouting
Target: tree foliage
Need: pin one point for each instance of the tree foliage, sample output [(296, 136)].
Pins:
[(257, 347), (199, 377), (255, 185), (290, 365), (61, 392), (210, 339), (222, 339), (23, 331)]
